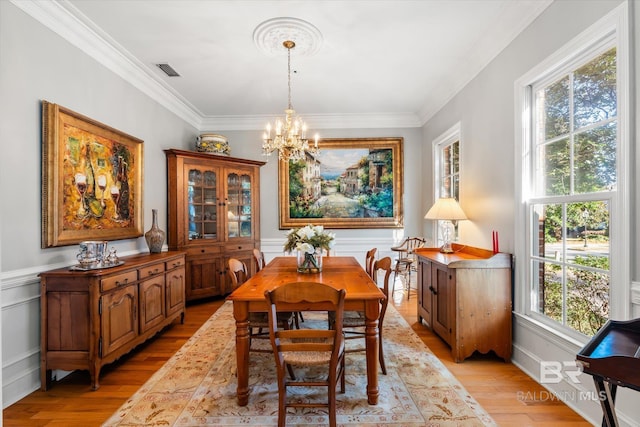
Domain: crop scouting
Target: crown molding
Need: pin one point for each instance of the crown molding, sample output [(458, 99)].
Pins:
[(69, 23), (64, 19), (317, 121)]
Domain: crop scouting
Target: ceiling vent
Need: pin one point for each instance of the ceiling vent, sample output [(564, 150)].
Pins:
[(168, 70)]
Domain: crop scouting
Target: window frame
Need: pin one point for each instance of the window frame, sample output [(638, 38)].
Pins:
[(446, 139), (610, 31)]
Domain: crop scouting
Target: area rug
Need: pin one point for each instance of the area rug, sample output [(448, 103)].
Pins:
[(197, 386)]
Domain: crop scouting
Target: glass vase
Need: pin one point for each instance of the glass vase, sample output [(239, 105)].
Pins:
[(309, 263)]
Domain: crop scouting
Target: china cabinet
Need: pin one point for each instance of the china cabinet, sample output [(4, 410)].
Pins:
[(465, 297), (91, 318), (214, 214)]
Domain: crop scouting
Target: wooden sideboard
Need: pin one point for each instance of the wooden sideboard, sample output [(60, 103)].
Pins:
[(465, 297), (91, 318)]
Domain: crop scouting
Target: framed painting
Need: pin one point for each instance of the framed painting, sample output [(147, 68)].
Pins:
[(351, 183), (91, 180)]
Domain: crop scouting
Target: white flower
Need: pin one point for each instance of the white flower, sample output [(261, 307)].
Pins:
[(306, 247), (312, 236), (333, 239), (306, 232)]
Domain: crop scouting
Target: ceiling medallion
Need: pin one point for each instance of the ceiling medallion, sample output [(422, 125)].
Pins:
[(269, 36)]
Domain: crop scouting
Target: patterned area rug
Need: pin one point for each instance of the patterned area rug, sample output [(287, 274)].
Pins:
[(197, 386)]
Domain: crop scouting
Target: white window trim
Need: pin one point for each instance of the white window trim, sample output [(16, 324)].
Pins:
[(614, 26), (448, 137)]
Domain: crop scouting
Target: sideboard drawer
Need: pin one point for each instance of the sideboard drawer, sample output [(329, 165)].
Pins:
[(150, 270), (175, 263), (113, 282)]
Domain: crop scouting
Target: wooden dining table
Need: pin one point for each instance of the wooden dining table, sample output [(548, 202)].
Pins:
[(340, 272)]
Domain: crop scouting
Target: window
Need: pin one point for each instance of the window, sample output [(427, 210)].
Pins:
[(449, 171), (573, 175), (446, 156)]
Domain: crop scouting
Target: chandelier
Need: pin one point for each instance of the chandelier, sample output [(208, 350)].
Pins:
[(290, 135)]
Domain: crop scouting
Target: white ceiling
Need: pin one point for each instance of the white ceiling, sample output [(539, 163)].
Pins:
[(398, 58)]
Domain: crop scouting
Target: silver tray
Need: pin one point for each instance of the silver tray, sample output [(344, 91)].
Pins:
[(95, 266)]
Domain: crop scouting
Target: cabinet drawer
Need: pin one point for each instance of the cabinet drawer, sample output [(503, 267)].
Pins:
[(122, 279), (150, 270), (175, 263), (203, 250), (239, 247)]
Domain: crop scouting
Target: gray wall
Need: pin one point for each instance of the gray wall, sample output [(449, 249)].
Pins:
[(37, 64), (485, 108)]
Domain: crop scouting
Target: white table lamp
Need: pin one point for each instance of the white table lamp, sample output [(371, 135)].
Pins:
[(446, 210)]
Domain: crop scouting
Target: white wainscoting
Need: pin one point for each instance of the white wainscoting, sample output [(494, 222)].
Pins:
[(355, 247), (21, 335), (21, 314)]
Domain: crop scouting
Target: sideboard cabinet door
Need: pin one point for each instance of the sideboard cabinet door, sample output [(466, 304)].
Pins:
[(175, 289), (119, 318)]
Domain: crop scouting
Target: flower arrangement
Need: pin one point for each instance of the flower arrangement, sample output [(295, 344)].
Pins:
[(309, 238), (306, 241)]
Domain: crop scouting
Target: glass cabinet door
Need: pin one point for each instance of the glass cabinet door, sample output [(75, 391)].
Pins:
[(201, 205), (239, 205)]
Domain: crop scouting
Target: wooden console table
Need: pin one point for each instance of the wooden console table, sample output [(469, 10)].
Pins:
[(91, 318), (465, 297)]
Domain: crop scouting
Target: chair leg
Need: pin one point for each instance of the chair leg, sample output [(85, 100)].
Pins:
[(282, 409), (292, 375), (332, 400), (393, 282), (381, 353), (343, 380)]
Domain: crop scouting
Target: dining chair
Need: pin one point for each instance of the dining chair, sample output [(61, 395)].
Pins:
[(354, 321), (258, 322), (369, 260), (405, 263), (258, 257), (308, 347)]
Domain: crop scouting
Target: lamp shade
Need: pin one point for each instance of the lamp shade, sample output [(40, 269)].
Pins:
[(446, 209)]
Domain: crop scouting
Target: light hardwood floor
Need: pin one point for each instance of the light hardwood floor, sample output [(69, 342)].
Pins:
[(497, 386)]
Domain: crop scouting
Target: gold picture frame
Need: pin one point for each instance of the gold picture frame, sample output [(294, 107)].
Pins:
[(91, 180), (352, 183)]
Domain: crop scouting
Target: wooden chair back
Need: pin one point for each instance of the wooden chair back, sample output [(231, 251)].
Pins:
[(237, 272), (369, 260), (306, 347), (258, 257), (413, 243), (383, 266)]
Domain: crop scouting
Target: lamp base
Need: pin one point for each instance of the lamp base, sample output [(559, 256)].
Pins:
[(448, 231)]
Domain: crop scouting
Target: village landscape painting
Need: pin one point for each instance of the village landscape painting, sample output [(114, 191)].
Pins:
[(351, 183)]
